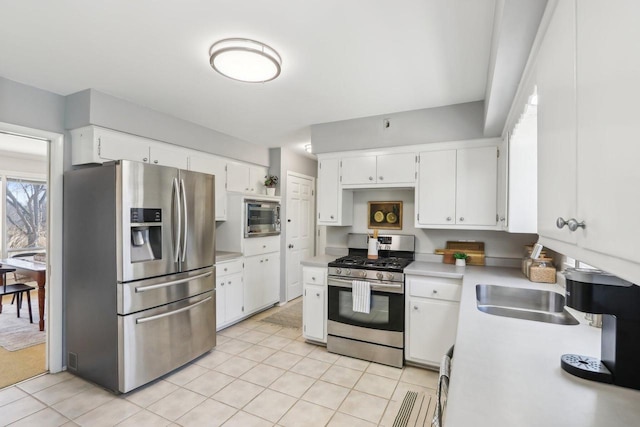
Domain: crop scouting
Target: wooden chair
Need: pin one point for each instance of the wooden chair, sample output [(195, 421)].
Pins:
[(17, 289)]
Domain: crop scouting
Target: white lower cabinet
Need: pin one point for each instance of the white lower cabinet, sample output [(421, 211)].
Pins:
[(229, 292), (432, 306), (314, 304), (261, 281)]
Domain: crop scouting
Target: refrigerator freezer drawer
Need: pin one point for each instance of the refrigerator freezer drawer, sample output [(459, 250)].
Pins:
[(145, 294), (155, 342)]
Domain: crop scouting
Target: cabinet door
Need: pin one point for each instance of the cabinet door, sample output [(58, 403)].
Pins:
[(358, 170), (608, 70), (556, 80), (167, 157), (234, 296), (477, 184), (256, 179), (432, 329), (314, 312), (221, 297), (254, 283), (328, 188), (215, 166), (118, 146), (271, 278), (396, 169), (436, 191), (237, 177)]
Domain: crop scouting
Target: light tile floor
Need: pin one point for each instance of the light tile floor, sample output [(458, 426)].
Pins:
[(260, 374)]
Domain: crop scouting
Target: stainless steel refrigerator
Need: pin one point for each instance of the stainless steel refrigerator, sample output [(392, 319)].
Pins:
[(139, 274)]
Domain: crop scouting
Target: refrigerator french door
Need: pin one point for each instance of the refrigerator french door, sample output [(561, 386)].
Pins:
[(139, 253)]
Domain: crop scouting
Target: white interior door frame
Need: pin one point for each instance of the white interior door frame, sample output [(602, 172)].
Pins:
[(55, 170)]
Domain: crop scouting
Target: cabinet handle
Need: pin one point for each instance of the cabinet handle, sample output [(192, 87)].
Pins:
[(502, 219), (155, 161), (222, 284), (252, 189), (370, 178), (145, 159), (229, 282), (313, 278), (461, 218), (415, 307), (380, 178), (266, 260), (448, 218), (331, 216), (318, 294), (435, 291), (574, 224), (261, 260), (290, 246), (225, 269), (246, 189), (560, 222)]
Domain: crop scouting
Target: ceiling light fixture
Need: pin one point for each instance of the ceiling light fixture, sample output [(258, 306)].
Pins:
[(245, 60)]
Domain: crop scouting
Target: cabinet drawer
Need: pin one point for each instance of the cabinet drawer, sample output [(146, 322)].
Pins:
[(435, 289), (261, 245), (229, 267), (314, 276)]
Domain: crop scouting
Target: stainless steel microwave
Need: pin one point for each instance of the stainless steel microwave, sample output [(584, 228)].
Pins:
[(262, 218)]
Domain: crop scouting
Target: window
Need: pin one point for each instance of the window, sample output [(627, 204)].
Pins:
[(26, 214)]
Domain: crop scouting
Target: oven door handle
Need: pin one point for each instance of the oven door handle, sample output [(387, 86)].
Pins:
[(374, 286)]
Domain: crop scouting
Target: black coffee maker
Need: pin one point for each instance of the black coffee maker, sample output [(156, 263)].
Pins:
[(597, 292)]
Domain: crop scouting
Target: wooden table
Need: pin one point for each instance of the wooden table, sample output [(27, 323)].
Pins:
[(34, 270)]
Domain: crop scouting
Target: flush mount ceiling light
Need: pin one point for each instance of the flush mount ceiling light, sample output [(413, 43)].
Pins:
[(245, 60)]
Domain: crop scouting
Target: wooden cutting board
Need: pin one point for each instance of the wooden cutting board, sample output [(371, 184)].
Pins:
[(463, 246), (475, 250)]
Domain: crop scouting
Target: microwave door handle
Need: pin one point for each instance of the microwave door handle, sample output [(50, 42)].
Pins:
[(177, 235), (186, 221)]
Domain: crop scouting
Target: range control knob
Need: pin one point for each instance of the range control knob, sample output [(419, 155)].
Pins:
[(389, 276), (379, 276), (338, 271), (348, 272), (363, 274)]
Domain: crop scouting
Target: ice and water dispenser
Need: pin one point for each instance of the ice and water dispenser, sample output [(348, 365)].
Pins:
[(146, 234), (618, 301)]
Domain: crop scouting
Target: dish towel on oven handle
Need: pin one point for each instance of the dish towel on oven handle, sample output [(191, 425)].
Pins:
[(361, 293)]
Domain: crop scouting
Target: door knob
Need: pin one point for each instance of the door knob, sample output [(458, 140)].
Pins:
[(155, 161), (573, 224), (560, 222), (288, 220), (290, 246)]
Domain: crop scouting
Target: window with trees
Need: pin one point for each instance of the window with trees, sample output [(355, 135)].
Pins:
[(25, 214)]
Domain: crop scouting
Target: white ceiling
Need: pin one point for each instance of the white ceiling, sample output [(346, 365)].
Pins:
[(341, 59)]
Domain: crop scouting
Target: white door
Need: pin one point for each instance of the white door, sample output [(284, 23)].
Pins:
[(397, 168), (300, 242), (437, 188), (476, 186), (358, 170), (556, 80)]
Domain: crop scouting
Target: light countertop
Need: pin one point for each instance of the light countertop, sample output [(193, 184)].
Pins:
[(222, 256), (506, 372), (318, 261)]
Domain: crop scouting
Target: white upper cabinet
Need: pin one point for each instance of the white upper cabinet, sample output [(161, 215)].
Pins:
[(556, 80), (608, 73), (215, 166), (243, 178), (457, 188), (93, 144), (379, 171), (587, 76), (335, 206)]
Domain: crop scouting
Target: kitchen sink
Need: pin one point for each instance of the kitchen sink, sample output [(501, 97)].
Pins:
[(527, 304)]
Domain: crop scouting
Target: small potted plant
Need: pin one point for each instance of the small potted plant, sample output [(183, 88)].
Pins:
[(270, 181), (461, 258)]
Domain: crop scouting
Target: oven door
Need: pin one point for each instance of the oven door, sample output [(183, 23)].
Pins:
[(387, 306)]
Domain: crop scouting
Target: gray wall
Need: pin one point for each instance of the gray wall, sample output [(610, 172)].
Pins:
[(450, 123), (31, 107), (114, 113)]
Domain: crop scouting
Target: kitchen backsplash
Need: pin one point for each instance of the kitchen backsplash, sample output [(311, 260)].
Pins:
[(498, 244)]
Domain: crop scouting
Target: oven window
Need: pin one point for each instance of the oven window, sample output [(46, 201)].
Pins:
[(261, 216), (387, 309)]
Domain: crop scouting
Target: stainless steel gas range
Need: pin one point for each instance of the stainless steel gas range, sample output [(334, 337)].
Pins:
[(378, 335)]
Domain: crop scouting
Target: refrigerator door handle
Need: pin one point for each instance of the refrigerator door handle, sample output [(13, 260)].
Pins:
[(177, 236), (171, 283), (171, 313), (186, 221)]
